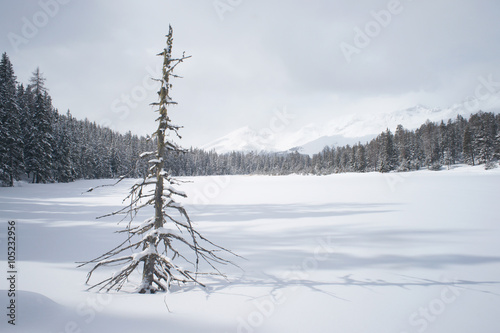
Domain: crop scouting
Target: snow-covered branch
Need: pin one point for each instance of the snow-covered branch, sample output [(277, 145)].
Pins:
[(157, 237)]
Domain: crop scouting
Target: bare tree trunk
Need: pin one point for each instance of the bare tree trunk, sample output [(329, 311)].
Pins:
[(149, 263), (159, 245)]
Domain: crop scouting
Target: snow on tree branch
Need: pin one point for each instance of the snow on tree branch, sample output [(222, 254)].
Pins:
[(159, 238)]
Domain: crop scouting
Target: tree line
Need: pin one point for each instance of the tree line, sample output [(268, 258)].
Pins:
[(473, 141), (40, 145)]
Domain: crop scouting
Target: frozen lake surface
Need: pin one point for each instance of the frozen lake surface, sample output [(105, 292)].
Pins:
[(349, 253)]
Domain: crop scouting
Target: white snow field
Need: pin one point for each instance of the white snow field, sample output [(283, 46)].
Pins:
[(349, 253)]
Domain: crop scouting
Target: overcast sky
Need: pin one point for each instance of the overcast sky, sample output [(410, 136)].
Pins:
[(250, 58)]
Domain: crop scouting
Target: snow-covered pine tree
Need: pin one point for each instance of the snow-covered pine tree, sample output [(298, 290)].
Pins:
[(484, 126), (402, 146), (40, 142), (160, 237), (25, 98), (388, 157), (429, 136), (359, 158), (468, 146), (497, 138), (443, 141), (63, 170), (453, 147), (11, 144)]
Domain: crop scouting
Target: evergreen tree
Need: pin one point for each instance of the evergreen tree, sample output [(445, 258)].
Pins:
[(25, 100), (39, 145), (387, 160), (11, 144), (402, 145), (497, 138), (63, 170), (468, 147), (484, 126), (430, 141), (359, 158)]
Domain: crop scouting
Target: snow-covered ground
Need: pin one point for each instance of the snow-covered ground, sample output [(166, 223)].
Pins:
[(349, 253)]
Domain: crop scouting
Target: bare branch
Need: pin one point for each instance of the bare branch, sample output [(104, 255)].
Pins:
[(157, 244)]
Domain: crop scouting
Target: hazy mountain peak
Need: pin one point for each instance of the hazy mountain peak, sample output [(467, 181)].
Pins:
[(340, 131), (241, 139)]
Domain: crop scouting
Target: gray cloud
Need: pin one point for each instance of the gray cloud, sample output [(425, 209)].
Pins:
[(262, 55)]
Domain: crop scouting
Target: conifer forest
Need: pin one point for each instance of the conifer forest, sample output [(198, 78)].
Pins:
[(41, 144)]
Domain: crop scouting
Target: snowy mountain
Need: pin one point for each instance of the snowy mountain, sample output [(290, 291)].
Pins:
[(340, 131), (242, 139)]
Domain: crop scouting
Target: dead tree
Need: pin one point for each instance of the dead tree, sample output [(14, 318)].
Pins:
[(157, 241)]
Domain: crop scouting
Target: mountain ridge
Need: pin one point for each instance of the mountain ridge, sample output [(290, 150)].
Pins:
[(340, 131)]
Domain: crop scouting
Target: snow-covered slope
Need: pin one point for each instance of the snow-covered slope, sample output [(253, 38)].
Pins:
[(242, 139), (340, 131)]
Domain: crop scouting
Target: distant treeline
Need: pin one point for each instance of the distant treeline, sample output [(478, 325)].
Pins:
[(39, 144), (434, 145)]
